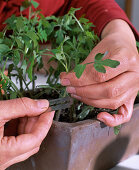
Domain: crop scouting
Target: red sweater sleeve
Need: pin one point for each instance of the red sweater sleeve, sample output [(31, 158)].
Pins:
[(100, 12)]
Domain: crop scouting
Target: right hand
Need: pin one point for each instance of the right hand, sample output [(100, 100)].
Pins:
[(35, 122)]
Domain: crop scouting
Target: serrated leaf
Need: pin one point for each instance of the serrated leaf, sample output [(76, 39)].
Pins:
[(79, 69), (110, 63), (34, 3), (100, 68), (99, 56)]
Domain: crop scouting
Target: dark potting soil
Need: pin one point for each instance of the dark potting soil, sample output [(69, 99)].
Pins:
[(65, 115)]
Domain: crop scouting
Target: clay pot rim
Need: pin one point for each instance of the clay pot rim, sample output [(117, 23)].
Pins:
[(84, 122)]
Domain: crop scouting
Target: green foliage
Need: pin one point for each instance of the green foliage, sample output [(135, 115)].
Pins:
[(72, 40), (98, 65)]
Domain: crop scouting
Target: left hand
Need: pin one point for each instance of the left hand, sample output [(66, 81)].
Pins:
[(118, 87)]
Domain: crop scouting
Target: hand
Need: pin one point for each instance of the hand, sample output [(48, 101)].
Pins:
[(118, 87), (35, 121)]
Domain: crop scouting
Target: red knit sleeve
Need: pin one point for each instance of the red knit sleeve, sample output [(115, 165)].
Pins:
[(100, 12)]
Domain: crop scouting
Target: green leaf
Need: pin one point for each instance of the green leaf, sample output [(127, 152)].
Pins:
[(43, 36), (89, 34), (58, 56), (34, 3), (73, 10), (83, 114), (59, 36), (16, 59), (79, 69), (99, 68), (3, 48), (110, 63), (117, 129), (10, 20), (30, 69), (99, 56), (32, 35), (20, 24), (19, 43)]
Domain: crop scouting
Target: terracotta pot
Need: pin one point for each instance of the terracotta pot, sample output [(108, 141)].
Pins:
[(86, 145)]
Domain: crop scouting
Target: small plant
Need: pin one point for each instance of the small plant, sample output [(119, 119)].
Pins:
[(71, 39)]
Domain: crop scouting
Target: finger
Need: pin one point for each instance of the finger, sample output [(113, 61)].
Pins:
[(107, 103), (22, 124), (30, 124), (91, 76), (108, 89), (26, 142), (1, 132), (20, 158), (124, 114), (15, 108)]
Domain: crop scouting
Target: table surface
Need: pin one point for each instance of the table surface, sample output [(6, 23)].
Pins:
[(131, 163)]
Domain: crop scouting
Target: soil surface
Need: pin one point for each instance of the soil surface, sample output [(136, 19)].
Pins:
[(66, 115)]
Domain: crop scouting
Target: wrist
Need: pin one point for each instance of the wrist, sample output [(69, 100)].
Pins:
[(118, 27)]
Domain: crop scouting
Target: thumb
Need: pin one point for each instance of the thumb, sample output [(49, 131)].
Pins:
[(11, 109)]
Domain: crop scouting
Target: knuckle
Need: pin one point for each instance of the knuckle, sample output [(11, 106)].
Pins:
[(112, 92), (100, 77), (82, 92)]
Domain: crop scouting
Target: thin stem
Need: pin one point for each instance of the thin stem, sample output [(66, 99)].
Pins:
[(78, 22)]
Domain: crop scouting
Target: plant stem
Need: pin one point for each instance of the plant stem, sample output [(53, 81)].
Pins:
[(58, 114), (78, 22)]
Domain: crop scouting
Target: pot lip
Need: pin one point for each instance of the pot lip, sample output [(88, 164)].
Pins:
[(88, 122)]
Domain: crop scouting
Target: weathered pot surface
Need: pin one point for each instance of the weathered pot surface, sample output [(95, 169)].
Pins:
[(86, 145)]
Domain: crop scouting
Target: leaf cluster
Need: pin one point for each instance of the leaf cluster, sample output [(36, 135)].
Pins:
[(72, 40)]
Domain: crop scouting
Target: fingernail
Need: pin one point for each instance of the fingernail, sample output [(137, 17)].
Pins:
[(65, 82), (43, 104), (71, 90), (75, 96)]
